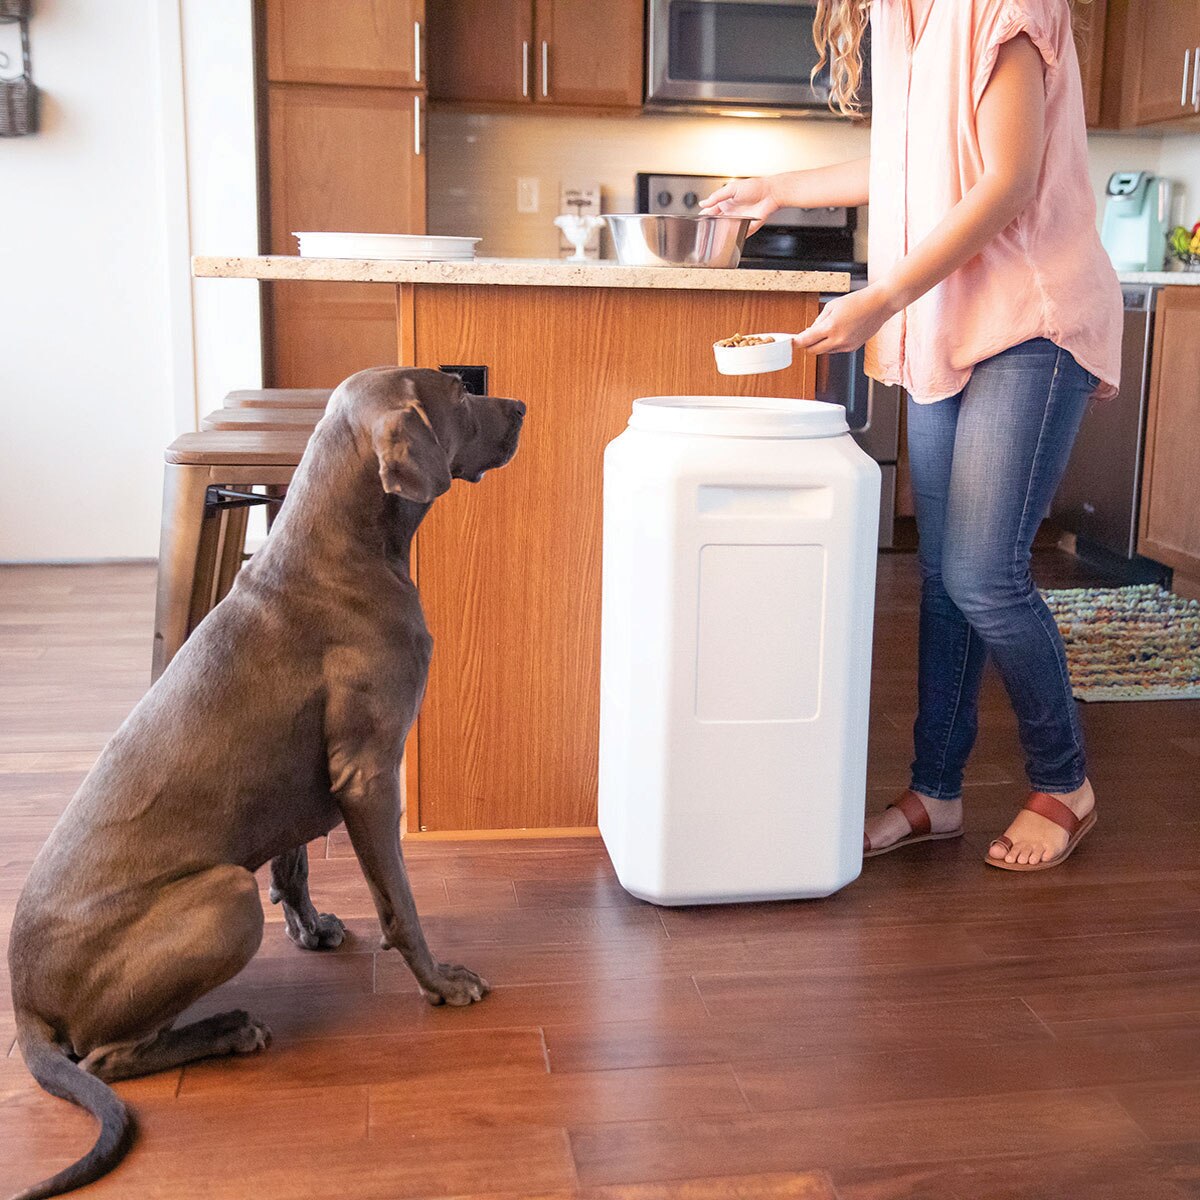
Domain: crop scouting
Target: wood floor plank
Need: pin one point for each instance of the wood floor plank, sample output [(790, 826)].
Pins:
[(558, 1098), (862, 1135), (877, 1025), (355, 1061), (1168, 1110), (957, 1069), (1125, 1174)]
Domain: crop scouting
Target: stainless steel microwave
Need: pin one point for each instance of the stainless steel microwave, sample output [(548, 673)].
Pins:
[(729, 54)]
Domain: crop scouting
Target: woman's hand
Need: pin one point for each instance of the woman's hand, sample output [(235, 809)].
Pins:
[(847, 322), (742, 198)]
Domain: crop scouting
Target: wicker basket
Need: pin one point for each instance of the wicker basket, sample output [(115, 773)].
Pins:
[(19, 96), (18, 107)]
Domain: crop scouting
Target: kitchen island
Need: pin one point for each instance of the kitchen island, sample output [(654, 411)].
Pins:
[(509, 569)]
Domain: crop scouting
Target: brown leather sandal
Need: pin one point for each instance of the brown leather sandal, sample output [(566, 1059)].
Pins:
[(915, 814), (1054, 810)]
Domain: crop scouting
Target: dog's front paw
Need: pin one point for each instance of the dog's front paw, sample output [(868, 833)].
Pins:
[(455, 985), (326, 932), (250, 1037)]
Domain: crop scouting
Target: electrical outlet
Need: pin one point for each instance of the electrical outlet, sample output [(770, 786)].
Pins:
[(475, 379), (527, 194)]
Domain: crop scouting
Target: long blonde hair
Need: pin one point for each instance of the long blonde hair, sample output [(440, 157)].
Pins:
[(838, 30)]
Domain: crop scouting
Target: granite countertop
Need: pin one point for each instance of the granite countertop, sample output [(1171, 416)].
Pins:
[(517, 272), (1162, 278)]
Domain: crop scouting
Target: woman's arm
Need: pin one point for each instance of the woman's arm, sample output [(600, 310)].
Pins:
[(843, 183), (1010, 120)]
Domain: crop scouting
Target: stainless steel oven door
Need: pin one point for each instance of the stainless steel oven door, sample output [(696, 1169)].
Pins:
[(872, 409), (713, 52)]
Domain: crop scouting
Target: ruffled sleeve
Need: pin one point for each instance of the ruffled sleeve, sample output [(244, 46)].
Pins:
[(1002, 20)]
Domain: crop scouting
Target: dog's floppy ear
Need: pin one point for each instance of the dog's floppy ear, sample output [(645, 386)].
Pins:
[(412, 463)]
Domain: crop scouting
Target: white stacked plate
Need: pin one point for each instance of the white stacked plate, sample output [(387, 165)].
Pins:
[(404, 247)]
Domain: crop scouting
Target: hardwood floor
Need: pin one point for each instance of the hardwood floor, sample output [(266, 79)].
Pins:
[(938, 1030)]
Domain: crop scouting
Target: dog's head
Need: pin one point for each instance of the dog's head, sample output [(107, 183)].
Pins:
[(427, 429)]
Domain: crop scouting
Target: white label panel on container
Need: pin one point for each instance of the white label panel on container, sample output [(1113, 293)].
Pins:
[(761, 613)]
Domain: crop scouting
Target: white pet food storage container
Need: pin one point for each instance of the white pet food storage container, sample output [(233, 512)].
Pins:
[(740, 537)]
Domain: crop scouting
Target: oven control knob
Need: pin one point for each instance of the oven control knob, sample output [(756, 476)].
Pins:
[(663, 199), (690, 200)]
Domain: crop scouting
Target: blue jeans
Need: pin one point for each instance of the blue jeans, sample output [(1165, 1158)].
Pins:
[(985, 466)]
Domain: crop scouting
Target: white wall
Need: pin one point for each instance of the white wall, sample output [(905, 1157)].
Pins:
[(85, 370), (97, 371)]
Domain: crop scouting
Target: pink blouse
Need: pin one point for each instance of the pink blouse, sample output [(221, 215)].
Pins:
[(1046, 274)]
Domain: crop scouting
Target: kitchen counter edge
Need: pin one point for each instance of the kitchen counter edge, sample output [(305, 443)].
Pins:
[(1161, 278), (515, 272)]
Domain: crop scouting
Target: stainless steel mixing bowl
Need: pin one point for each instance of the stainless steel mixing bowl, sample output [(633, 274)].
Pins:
[(642, 240)]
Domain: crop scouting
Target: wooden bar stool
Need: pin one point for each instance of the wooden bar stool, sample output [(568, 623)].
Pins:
[(279, 398), (206, 497), (263, 418)]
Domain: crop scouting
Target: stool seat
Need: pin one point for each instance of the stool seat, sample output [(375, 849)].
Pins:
[(238, 448), (210, 479), (266, 419), (279, 398)]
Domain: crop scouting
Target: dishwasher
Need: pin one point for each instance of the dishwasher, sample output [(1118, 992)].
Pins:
[(1099, 496)]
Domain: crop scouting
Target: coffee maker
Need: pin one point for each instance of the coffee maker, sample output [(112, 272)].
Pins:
[(1137, 214)]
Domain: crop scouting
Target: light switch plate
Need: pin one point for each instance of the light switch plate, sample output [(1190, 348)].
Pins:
[(527, 194)]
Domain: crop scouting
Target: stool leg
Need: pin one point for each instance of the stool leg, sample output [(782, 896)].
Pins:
[(278, 491), (204, 582), (233, 550), (178, 557)]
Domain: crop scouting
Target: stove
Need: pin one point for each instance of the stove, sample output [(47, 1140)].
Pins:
[(796, 239), (808, 239)]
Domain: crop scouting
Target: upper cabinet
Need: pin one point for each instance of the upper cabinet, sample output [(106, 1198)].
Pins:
[(481, 50), (1151, 72), (1089, 19), (573, 53), (365, 43)]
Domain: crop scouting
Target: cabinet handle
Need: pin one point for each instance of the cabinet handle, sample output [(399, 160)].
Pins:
[(1183, 95), (416, 52), (545, 68), (417, 125), (1196, 80), (525, 69)]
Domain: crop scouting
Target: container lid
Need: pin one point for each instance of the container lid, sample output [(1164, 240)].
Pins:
[(739, 416)]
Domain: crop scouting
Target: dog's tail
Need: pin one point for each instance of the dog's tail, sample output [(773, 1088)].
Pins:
[(60, 1076)]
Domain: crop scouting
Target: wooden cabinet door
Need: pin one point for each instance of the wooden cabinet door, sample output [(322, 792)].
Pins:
[(1169, 35), (1150, 73), (481, 50), (1169, 525), (365, 42), (339, 159), (589, 52), (1089, 42)]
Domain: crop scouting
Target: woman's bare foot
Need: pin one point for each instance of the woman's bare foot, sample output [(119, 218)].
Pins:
[(1035, 839), (888, 827)]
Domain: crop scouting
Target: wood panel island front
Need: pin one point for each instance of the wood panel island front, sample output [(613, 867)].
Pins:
[(509, 569)]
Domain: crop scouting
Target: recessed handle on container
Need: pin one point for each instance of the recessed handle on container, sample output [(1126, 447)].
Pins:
[(416, 51), (545, 68)]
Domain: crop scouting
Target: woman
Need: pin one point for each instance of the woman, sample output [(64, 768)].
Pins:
[(993, 303)]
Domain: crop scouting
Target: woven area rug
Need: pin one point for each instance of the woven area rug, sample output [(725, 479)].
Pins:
[(1129, 643)]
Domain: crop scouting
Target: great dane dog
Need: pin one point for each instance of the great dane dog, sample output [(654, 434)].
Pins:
[(283, 715)]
